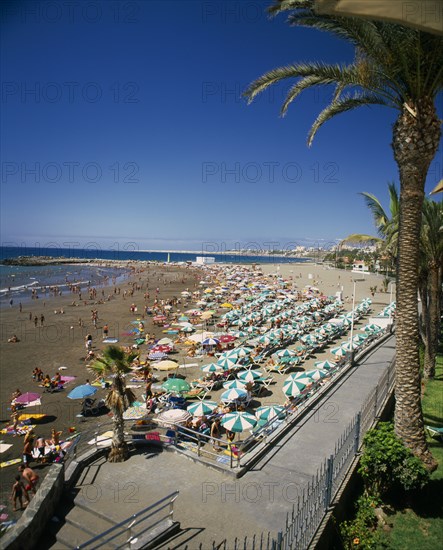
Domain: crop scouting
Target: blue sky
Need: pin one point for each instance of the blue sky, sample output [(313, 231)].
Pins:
[(123, 122)]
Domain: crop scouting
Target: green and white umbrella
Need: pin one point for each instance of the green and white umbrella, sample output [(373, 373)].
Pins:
[(238, 421), (249, 375), (325, 365), (316, 374), (371, 327), (176, 385), (338, 351), (230, 384), (267, 412), (285, 353), (202, 408), (227, 362), (301, 377), (233, 394), (212, 367), (292, 388)]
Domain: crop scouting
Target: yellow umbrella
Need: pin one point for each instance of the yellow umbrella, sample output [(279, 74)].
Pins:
[(208, 290), (165, 365), (206, 315), (227, 305)]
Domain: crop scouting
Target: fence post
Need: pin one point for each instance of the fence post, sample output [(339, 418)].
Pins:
[(357, 433), (376, 401), (329, 475)]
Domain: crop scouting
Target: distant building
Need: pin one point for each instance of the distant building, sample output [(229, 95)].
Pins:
[(359, 266), (204, 260)]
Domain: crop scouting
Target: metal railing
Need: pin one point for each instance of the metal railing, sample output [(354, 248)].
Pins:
[(135, 525)]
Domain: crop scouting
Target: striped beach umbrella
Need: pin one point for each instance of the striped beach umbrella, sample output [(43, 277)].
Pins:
[(372, 327), (324, 365), (292, 388), (212, 367), (210, 342), (238, 421), (285, 353), (231, 384), (249, 375), (267, 412), (228, 362), (316, 374), (202, 408), (233, 394), (300, 377)]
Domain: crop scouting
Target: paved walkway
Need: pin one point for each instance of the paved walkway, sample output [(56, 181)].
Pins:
[(213, 505)]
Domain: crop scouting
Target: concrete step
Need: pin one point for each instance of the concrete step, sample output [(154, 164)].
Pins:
[(82, 525)]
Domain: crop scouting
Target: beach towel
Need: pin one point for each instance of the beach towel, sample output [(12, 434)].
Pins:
[(66, 379), (10, 462), (4, 447), (104, 440), (111, 340), (35, 403), (24, 417)]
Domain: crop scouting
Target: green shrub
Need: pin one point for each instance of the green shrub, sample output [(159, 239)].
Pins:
[(387, 464), (362, 532)]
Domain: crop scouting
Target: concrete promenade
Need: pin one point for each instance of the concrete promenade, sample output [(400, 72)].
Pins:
[(213, 506)]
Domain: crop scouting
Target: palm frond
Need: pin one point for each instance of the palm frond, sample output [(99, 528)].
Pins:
[(345, 103)]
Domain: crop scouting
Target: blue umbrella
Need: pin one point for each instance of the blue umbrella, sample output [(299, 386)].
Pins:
[(80, 392)]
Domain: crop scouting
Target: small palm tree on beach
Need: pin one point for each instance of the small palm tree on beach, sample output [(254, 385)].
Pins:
[(116, 362), (401, 68)]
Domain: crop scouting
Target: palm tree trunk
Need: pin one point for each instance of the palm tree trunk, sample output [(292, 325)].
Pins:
[(415, 141), (433, 328), (119, 449)]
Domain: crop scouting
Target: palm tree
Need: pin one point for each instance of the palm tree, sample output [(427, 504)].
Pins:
[(432, 261), (387, 224), (116, 362), (401, 68)]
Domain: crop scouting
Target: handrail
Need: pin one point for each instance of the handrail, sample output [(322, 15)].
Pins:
[(170, 498)]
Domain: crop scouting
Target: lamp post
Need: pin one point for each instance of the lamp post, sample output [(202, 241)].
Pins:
[(390, 302)]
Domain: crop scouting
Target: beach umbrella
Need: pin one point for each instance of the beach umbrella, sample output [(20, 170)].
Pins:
[(249, 375), (157, 355), (230, 384), (80, 392), (212, 367), (265, 339), (300, 377), (338, 352), (267, 412), (210, 342), (173, 416), (233, 394), (27, 397), (202, 408), (241, 352), (292, 388), (227, 338), (238, 421), (371, 327), (228, 362), (165, 365), (165, 342), (316, 374), (188, 328), (325, 365), (135, 413), (285, 353), (176, 385), (227, 305), (161, 349)]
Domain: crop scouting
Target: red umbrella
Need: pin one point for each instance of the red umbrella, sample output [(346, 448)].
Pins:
[(162, 348), (227, 338), (27, 397)]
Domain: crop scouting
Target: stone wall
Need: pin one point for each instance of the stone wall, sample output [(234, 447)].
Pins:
[(27, 531)]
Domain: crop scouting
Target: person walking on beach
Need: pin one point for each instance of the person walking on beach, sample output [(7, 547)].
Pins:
[(31, 478), (35, 321), (42, 320), (105, 331), (18, 490)]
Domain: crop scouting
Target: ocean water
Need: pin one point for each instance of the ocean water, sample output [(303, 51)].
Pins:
[(17, 282)]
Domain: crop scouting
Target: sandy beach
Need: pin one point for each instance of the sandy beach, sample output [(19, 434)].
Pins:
[(60, 342)]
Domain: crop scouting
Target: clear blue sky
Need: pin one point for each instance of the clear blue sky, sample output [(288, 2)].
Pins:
[(123, 121)]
